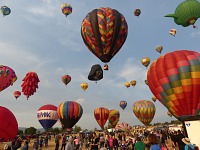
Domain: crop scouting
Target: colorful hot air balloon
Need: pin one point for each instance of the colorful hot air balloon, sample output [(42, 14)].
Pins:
[(137, 12), (96, 73), (154, 98), (84, 86), (176, 83), (186, 13), (8, 125), (66, 9), (145, 61), (66, 79), (159, 48), (101, 115), (69, 113), (127, 84), (104, 31), (47, 116), (5, 10), (113, 118), (7, 77), (123, 104), (17, 94), (133, 82), (172, 32), (123, 126), (144, 111)]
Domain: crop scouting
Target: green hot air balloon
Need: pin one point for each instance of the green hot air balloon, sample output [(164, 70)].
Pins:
[(186, 13)]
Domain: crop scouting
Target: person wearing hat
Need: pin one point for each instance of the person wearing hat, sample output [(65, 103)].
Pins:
[(188, 145)]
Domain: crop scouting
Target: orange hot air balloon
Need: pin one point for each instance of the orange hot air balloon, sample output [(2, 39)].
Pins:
[(101, 115), (17, 94), (174, 79), (127, 84), (145, 61)]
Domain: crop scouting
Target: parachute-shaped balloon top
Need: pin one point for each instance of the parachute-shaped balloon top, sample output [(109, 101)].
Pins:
[(96, 73), (104, 31), (186, 13), (84, 86), (69, 113), (5, 10), (123, 126), (8, 125), (7, 77), (66, 9), (113, 118), (123, 104), (17, 94), (66, 79), (177, 84), (101, 115), (137, 12), (47, 116), (144, 111)]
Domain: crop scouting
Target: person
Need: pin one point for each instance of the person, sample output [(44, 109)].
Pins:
[(101, 141), (188, 145), (179, 137), (95, 142), (70, 145), (153, 141), (139, 145), (64, 140), (57, 143), (25, 147), (36, 144)]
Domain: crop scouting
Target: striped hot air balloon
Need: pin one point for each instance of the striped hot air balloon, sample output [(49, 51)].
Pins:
[(101, 115), (69, 113), (47, 116), (144, 110), (174, 79)]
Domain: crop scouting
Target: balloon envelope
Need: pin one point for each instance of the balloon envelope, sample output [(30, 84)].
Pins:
[(96, 73), (17, 94), (177, 84), (8, 125), (123, 104), (123, 126), (66, 79), (101, 115), (47, 116), (66, 9), (5, 10), (113, 118), (144, 111), (69, 113)]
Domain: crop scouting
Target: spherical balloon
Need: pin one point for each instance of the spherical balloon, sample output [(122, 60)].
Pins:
[(8, 125)]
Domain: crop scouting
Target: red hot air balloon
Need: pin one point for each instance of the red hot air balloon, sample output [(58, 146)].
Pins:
[(17, 94), (8, 125), (176, 83), (66, 79), (104, 31), (69, 113), (101, 115)]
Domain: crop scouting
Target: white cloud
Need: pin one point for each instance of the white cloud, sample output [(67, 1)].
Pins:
[(80, 100)]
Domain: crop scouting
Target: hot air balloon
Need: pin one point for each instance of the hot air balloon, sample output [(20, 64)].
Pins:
[(8, 125), (137, 12), (7, 77), (17, 94), (144, 111), (47, 115), (96, 73), (127, 84), (30, 84), (84, 86), (105, 67), (101, 115), (69, 113), (104, 31), (186, 13), (123, 104), (113, 118), (145, 61), (66, 79), (154, 98), (146, 82), (172, 32), (159, 48), (133, 82), (66, 9), (123, 126), (176, 83), (169, 114), (5, 10)]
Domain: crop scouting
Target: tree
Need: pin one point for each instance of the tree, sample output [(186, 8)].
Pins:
[(77, 129), (20, 132), (30, 130)]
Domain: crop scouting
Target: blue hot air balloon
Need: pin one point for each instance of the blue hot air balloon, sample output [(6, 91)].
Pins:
[(123, 104)]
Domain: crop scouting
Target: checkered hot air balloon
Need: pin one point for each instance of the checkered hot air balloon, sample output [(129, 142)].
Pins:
[(101, 115), (104, 31), (174, 79), (144, 110)]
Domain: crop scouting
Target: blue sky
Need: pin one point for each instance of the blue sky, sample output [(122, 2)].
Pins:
[(36, 36)]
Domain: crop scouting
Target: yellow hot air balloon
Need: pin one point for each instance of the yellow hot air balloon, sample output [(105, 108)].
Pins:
[(133, 82), (159, 48), (154, 98), (84, 86), (145, 61), (127, 84)]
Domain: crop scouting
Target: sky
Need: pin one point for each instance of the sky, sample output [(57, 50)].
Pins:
[(37, 37)]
